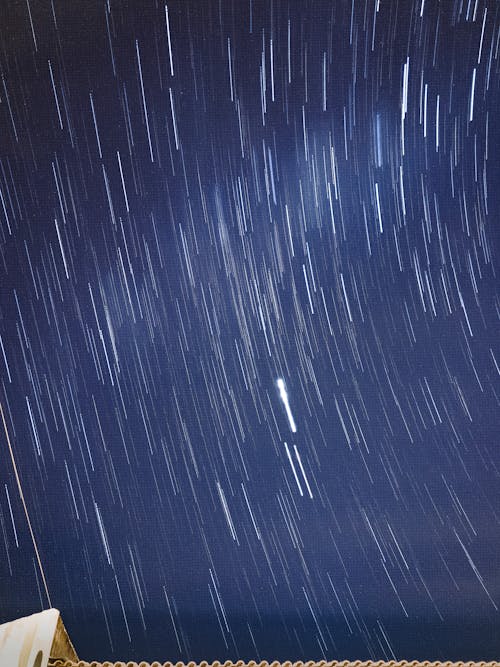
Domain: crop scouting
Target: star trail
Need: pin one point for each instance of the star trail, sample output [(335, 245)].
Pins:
[(249, 326)]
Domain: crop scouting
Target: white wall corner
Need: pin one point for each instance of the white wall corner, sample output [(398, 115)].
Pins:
[(32, 640)]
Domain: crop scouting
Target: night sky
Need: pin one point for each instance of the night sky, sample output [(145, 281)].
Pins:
[(249, 326)]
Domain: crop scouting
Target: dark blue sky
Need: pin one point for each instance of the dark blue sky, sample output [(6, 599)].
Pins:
[(196, 201)]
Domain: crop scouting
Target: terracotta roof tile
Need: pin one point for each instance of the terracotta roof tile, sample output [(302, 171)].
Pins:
[(277, 663)]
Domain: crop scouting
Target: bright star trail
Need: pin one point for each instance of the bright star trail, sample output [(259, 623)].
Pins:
[(249, 326), (286, 403)]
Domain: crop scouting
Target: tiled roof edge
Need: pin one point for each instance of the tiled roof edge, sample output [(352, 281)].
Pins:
[(277, 663)]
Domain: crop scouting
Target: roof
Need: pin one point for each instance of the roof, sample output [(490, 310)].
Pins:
[(276, 663), (41, 640)]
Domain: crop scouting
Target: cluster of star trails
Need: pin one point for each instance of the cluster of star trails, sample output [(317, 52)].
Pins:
[(249, 377)]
